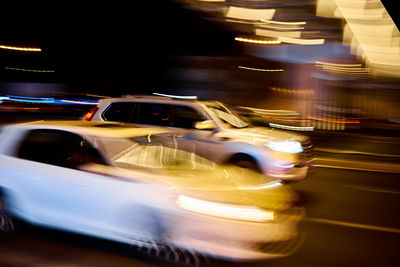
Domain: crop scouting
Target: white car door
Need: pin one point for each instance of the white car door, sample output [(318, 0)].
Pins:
[(61, 194)]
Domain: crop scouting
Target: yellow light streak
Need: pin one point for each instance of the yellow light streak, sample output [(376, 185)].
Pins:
[(20, 48), (257, 41), (290, 40), (293, 91), (284, 22), (338, 64), (29, 70), (254, 14), (255, 69)]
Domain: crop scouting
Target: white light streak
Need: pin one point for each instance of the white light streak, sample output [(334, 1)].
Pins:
[(225, 210), (257, 41), (293, 128), (177, 96)]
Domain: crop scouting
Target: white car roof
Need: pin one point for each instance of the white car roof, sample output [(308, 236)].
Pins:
[(100, 129)]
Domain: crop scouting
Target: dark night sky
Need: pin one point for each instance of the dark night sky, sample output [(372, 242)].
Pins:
[(120, 43), (113, 43)]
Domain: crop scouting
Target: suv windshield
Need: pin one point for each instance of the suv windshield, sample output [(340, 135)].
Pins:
[(229, 117)]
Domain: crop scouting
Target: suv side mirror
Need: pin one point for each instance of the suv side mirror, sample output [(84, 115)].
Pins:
[(204, 125)]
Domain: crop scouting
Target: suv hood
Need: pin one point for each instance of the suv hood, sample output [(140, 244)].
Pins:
[(264, 134)]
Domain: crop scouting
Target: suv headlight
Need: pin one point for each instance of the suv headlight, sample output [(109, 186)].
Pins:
[(245, 213), (285, 146)]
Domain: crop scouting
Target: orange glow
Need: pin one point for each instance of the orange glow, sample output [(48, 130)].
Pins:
[(18, 108), (91, 113)]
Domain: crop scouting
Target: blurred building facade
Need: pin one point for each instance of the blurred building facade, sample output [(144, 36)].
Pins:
[(314, 57)]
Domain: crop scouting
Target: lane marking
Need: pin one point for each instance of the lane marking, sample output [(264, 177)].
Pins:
[(356, 169), (354, 225), (356, 165), (371, 189), (338, 151)]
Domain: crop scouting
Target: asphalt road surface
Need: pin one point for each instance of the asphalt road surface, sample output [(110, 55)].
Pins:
[(352, 216), (352, 219)]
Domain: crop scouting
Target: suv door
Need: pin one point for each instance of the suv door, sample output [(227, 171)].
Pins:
[(202, 142)]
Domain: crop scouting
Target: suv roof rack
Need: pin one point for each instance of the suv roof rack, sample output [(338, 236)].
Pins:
[(161, 96), (141, 96)]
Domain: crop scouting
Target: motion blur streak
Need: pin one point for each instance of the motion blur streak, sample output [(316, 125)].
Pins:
[(225, 210), (256, 41), (292, 128), (255, 69), (292, 91), (299, 41), (250, 13), (369, 30), (335, 121), (284, 22), (263, 186), (20, 48), (30, 99), (29, 70), (177, 96), (77, 102)]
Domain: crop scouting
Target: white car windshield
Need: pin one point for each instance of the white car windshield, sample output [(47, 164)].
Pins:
[(126, 153), (225, 114)]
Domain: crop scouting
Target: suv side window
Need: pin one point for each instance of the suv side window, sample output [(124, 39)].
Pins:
[(119, 111), (154, 114), (60, 148), (186, 117), (167, 115)]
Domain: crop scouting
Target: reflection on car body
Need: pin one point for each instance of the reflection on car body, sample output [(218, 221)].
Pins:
[(93, 178), (212, 130)]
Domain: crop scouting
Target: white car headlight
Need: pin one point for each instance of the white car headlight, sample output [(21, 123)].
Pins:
[(285, 146), (224, 210)]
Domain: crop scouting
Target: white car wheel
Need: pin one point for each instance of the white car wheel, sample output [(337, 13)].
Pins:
[(6, 220)]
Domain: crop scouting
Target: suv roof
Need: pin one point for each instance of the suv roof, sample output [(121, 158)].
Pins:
[(161, 96), (153, 98)]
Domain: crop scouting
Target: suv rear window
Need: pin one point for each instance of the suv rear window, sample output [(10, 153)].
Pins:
[(119, 111)]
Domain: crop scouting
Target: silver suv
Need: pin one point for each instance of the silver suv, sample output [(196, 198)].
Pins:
[(213, 130)]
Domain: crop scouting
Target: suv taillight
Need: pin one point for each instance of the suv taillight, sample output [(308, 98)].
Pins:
[(90, 114)]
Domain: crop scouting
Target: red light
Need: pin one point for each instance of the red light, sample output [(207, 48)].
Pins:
[(91, 113)]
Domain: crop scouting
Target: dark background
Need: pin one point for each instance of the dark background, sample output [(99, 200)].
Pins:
[(110, 48), (117, 46)]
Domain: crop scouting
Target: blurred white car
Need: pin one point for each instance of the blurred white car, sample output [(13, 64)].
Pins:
[(212, 130), (93, 178)]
